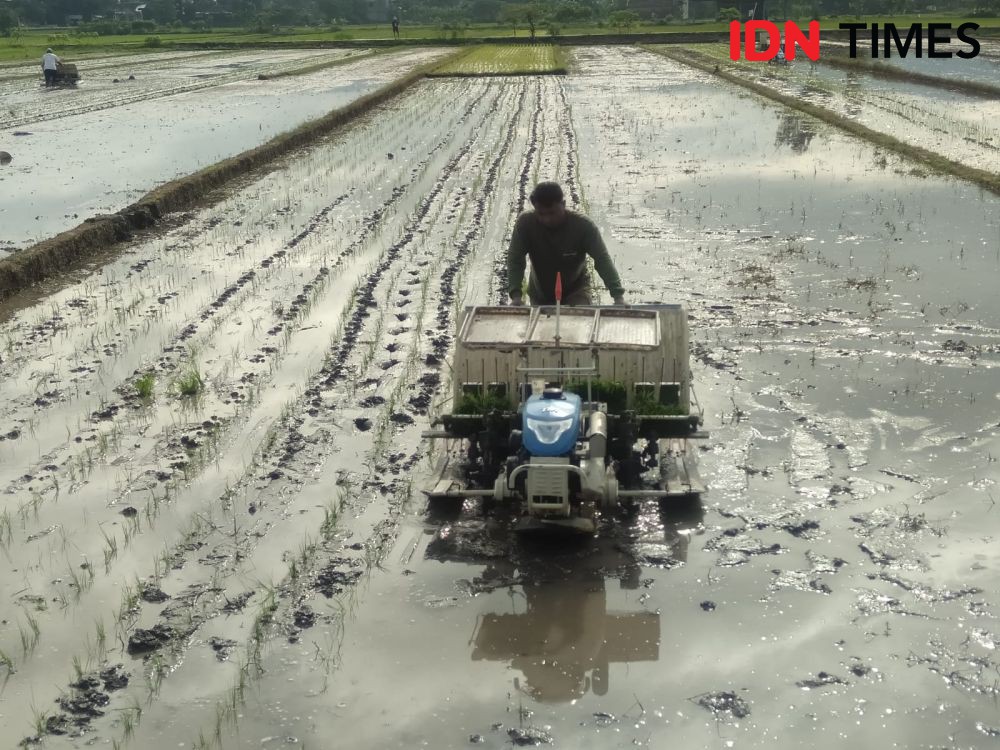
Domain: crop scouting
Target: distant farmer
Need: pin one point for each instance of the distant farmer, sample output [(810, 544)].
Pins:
[(50, 64), (558, 241), (395, 27)]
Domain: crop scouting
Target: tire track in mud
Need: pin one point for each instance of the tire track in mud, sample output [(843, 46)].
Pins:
[(293, 441)]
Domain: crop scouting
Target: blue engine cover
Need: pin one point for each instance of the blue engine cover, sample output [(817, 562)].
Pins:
[(551, 424)]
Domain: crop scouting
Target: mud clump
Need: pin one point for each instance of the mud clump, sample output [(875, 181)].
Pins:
[(87, 704), (334, 578), (5, 158), (144, 641), (153, 594), (114, 678), (401, 418), (528, 737), (821, 680), (726, 702), (363, 423), (304, 618), (708, 606), (237, 603), (222, 647)]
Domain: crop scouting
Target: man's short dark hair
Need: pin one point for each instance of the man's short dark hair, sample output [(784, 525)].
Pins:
[(546, 194)]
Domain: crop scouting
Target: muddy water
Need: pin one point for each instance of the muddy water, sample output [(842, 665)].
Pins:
[(984, 68), (112, 82), (152, 138), (834, 587), (960, 126), (836, 582)]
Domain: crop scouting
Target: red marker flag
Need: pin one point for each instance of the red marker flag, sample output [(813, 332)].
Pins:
[(558, 287)]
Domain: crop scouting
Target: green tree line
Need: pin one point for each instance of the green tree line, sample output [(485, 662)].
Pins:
[(265, 14)]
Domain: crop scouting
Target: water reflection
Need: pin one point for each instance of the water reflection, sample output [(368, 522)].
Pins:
[(555, 627), (795, 132), (565, 638)]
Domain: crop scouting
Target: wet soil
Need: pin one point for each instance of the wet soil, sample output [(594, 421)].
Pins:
[(958, 125), (115, 142), (834, 587)]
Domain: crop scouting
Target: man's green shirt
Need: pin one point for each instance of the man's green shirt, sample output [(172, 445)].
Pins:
[(563, 249)]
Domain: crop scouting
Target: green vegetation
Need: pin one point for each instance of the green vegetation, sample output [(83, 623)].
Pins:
[(468, 21), (477, 403), (649, 406), (506, 59), (615, 395), (144, 386), (610, 392), (190, 383)]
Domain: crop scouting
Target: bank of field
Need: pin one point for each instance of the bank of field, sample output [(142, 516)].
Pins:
[(507, 60)]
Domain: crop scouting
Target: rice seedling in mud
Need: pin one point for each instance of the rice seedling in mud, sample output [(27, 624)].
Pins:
[(144, 386), (189, 382), (29, 634), (522, 59)]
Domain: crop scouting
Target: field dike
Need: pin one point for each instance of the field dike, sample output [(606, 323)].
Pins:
[(981, 177), (97, 234)]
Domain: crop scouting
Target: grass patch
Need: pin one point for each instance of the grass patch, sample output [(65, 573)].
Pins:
[(191, 382), (144, 386), (506, 60)]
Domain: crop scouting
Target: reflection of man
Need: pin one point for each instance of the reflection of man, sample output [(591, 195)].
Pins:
[(558, 241), (50, 64), (565, 633)]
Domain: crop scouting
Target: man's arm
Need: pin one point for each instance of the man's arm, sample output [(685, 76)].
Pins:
[(517, 262), (603, 264)]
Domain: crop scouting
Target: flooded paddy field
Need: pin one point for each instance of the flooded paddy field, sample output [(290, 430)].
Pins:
[(211, 462), (983, 68), (958, 125), (111, 143)]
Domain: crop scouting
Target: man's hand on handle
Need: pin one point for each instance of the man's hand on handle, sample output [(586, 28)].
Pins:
[(620, 301), (517, 301)]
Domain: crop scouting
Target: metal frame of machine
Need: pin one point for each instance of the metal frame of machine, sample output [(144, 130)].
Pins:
[(513, 355)]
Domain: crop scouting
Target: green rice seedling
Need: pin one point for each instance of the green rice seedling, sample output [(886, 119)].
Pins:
[(78, 668), (144, 386), (190, 383)]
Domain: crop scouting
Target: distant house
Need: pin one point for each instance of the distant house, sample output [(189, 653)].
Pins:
[(74, 20)]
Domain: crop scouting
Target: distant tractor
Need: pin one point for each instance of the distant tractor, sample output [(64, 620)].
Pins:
[(570, 411)]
